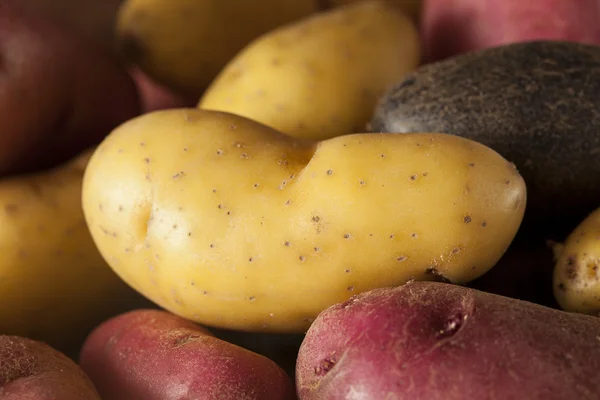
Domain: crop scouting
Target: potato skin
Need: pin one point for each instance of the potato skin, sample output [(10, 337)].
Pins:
[(184, 44), (319, 77), (535, 103), (577, 268), (232, 224), (32, 370), (56, 282), (154, 355), (59, 94), (430, 340)]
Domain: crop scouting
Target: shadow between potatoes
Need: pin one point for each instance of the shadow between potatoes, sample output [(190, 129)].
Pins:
[(524, 272), (281, 348)]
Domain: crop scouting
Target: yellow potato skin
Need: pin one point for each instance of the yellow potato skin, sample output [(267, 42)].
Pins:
[(54, 284), (319, 77), (185, 43), (577, 268), (227, 222)]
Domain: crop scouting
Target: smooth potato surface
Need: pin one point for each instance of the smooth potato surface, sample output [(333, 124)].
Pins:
[(577, 269), (321, 76), (434, 341), (185, 43), (59, 93), (154, 355), (225, 221), (54, 283)]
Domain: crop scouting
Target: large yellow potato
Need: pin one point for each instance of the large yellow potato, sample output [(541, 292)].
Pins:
[(54, 284), (227, 222), (185, 43), (577, 269), (320, 77)]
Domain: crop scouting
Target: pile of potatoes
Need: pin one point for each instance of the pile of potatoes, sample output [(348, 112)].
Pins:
[(301, 199)]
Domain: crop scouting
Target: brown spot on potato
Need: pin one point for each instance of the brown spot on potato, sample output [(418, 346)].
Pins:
[(147, 160), (571, 268), (467, 219), (451, 326), (178, 175), (329, 172), (437, 275), (325, 365)]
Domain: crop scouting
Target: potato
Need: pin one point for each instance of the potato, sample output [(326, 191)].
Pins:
[(460, 26), (535, 103), (31, 370), (430, 340), (153, 355), (319, 77), (53, 278), (412, 8), (227, 222), (95, 19), (577, 270), (184, 44), (59, 94)]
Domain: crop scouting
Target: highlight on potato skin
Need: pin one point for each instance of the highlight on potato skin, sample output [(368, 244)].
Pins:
[(321, 76), (436, 341), (232, 224), (154, 355), (54, 283), (577, 268)]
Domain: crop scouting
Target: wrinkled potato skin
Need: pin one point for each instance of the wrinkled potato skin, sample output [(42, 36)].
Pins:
[(320, 77), (577, 269), (53, 280), (232, 224)]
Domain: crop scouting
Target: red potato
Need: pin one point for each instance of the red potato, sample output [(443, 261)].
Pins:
[(154, 355), (427, 340), (59, 93), (451, 27), (31, 370)]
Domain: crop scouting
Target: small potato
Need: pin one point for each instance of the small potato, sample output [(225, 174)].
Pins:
[(577, 270), (54, 284), (322, 76), (227, 222), (31, 370), (154, 355), (59, 94), (435, 341)]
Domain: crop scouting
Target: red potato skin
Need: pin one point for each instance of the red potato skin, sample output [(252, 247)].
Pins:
[(32, 370), (154, 355), (154, 96), (452, 27), (427, 340), (59, 93)]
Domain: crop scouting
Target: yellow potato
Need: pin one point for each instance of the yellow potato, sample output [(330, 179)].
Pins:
[(185, 43), (577, 268), (322, 76), (54, 284), (227, 222)]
